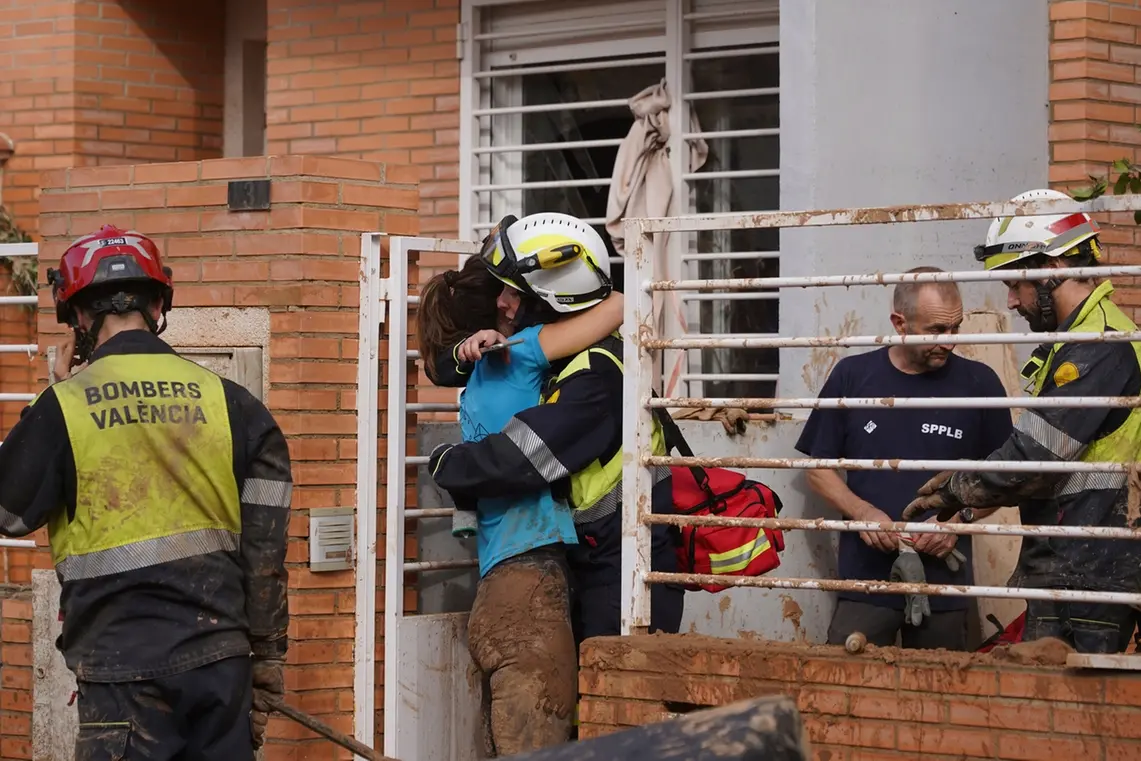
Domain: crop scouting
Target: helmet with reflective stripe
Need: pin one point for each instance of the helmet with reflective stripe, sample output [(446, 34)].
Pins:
[(101, 263), (1011, 240), (554, 257)]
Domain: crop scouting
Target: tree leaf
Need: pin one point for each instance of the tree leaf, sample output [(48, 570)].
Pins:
[(1137, 217), (1135, 183), (1122, 184), (1121, 165)]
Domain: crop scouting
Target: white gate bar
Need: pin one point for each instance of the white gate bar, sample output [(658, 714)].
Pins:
[(773, 377), (371, 314), (415, 460), (877, 215), (903, 403), (846, 281), (19, 300), (890, 588), (17, 397), (729, 256), (429, 512), (819, 524), (841, 463), (435, 407), (18, 544), (20, 249), (712, 340), (438, 565), (395, 291), (19, 348), (747, 296)]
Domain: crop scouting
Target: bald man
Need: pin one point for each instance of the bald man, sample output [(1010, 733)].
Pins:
[(925, 370)]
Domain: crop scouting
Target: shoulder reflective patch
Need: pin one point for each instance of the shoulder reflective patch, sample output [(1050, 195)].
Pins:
[(1066, 373)]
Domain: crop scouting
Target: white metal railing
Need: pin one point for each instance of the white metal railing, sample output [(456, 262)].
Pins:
[(639, 403), (386, 300), (17, 250)]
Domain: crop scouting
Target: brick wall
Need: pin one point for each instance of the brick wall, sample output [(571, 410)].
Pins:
[(885, 705), (15, 673), (300, 261), (94, 82), (1095, 95)]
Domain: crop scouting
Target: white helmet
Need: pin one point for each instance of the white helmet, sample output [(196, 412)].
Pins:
[(555, 257), (1013, 239)]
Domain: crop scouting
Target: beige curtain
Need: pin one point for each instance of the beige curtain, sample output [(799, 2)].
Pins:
[(642, 186)]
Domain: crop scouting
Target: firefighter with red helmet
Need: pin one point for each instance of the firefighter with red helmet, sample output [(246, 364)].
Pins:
[(166, 493)]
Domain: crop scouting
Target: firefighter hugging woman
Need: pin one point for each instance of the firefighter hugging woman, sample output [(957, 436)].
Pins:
[(166, 493), (540, 466)]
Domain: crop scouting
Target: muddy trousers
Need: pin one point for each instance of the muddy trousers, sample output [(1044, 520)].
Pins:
[(198, 715), (519, 634)]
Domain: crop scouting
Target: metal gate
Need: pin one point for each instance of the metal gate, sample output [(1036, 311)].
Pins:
[(431, 689), (17, 250)]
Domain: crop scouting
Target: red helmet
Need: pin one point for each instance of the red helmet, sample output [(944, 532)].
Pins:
[(106, 258)]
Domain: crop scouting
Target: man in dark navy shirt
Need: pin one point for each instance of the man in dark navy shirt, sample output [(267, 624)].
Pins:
[(925, 370)]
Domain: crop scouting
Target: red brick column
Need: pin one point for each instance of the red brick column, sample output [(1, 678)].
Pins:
[(300, 261), (1095, 95)]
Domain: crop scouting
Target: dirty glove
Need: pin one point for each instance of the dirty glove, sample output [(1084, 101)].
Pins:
[(908, 567), (269, 686), (933, 495), (955, 560)]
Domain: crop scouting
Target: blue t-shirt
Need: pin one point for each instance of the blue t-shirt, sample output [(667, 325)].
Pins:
[(496, 391), (913, 434)]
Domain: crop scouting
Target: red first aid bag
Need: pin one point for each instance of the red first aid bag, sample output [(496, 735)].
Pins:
[(721, 550)]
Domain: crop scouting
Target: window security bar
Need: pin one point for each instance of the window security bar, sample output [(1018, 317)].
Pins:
[(543, 108), (705, 55), (732, 133), (559, 68), (562, 31), (563, 146), (730, 174), (599, 183), (719, 94)]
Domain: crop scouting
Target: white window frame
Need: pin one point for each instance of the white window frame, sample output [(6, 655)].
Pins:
[(678, 44)]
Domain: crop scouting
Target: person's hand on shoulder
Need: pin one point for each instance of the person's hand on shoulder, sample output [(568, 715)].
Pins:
[(64, 356), (472, 347)]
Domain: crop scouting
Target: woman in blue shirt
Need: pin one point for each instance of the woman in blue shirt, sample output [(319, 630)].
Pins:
[(519, 631)]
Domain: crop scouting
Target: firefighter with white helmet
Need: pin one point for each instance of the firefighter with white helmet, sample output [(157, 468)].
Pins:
[(1063, 434), (166, 493), (553, 265)]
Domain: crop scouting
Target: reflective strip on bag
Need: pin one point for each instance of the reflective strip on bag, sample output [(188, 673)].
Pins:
[(739, 558)]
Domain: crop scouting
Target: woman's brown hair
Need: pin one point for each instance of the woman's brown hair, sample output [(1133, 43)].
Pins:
[(453, 305)]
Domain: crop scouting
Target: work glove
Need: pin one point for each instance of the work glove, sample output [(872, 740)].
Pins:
[(908, 568), (955, 560), (437, 455), (933, 495), (465, 520), (269, 687)]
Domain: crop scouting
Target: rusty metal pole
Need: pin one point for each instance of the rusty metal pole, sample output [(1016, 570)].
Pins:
[(330, 734)]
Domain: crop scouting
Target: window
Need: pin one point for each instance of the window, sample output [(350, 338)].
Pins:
[(545, 105)]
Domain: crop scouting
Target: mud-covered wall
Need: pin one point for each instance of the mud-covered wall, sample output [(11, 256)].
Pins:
[(880, 705)]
